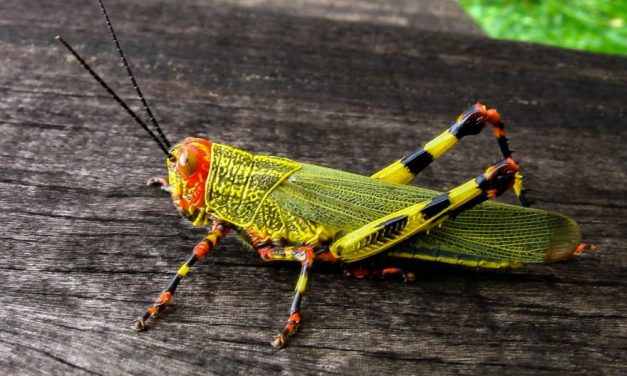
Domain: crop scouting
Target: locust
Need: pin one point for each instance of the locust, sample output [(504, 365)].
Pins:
[(304, 213)]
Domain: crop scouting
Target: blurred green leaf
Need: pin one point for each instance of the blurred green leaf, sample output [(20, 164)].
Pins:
[(590, 25)]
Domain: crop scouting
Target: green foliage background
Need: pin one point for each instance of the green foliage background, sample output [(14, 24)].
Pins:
[(590, 25)]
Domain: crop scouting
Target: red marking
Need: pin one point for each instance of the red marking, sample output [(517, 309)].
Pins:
[(501, 168), (580, 249), (257, 240), (327, 257), (294, 320), (201, 249), (359, 272), (512, 164), (265, 253), (493, 116), (193, 171), (197, 199), (152, 310), (499, 131), (309, 254), (182, 204), (294, 317), (583, 247), (164, 298), (389, 271)]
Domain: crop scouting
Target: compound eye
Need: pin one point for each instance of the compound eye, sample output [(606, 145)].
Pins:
[(187, 163)]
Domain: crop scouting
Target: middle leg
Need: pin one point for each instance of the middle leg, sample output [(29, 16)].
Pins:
[(305, 255), (376, 271)]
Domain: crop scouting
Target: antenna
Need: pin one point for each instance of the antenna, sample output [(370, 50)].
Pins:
[(131, 76), (114, 95)]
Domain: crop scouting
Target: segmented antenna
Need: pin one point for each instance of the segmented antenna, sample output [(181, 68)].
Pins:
[(114, 95), (131, 76)]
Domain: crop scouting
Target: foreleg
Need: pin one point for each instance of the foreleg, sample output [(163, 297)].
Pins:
[(218, 231)]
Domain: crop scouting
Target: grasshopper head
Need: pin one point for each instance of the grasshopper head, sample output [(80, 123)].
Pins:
[(188, 169)]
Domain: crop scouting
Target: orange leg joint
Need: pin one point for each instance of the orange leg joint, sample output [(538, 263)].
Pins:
[(306, 256), (218, 231)]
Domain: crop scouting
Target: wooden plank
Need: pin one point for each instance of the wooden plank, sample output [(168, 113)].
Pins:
[(86, 246), (432, 15)]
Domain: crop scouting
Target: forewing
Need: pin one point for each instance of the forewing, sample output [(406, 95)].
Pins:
[(500, 232), (490, 231), (341, 200)]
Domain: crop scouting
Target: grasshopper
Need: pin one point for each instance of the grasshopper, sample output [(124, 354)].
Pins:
[(291, 211)]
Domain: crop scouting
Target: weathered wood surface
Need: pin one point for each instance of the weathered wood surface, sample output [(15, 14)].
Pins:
[(434, 15), (86, 246)]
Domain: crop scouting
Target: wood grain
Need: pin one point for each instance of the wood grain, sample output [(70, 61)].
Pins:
[(86, 246)]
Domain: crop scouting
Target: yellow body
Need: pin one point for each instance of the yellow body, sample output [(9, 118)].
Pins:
[(301, 204)]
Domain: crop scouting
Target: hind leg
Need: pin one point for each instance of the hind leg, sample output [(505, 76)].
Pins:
[(470, 122)]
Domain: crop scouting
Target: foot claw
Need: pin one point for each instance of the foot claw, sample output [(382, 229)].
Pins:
[(278, 341), (160, 182), (154, 181), (140, 325)]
